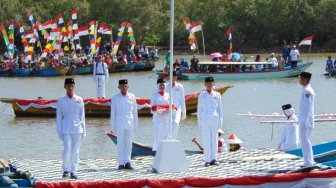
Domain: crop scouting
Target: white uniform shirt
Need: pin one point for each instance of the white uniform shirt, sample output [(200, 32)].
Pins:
[(124, 112), (100, 69), (178, 96), (70, 115), (274, 61), (290, 134), (294, 55), (158, 99), (209, 110), (306, 113)]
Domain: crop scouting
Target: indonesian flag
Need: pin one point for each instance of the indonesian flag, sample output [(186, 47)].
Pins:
[(107, 31), (47, 24), (187, 24), (197, 26), (29, 34), (55, 32), (307, 41), (82, 31), (229, 34)]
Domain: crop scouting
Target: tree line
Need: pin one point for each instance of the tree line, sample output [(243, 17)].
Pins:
[(257, 24)]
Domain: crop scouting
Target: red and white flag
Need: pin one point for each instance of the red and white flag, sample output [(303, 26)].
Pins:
[(197, 26), (307, 41), (82, 31)]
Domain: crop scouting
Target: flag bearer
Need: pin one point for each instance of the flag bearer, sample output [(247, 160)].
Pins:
[(159, 103), (70, 124), (124, 120), (306, 118), (210, 119), (100, 76), (179, 103)]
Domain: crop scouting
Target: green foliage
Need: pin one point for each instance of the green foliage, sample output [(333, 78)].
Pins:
[(257, 24)]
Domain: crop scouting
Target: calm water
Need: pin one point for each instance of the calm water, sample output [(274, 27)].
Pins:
[(37, 138)]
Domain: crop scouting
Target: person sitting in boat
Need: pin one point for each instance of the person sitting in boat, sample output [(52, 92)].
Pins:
[(281, 61), (234, 143), (290, 132), (329, 64), (184, 64), (222, 147), (159, 100), (274, 60)]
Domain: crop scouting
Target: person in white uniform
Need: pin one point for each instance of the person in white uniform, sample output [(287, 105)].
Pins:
[(306, 118), (70, 125), (210, 119), (290, 132), (179, 103), (124, 120), (159, 103), (100, 76)]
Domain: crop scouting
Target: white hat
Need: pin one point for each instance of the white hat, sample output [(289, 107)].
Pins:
[(220, 131), (233, 139), (273, 54)]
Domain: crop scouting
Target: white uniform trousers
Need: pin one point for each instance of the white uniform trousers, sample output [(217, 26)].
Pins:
[(124, 145), (306, 146), (100, 86), (176, 123), (161, 129), (210, 142), (71, 145)]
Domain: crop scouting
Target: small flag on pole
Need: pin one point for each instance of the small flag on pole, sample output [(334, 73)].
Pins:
[(307, 41)]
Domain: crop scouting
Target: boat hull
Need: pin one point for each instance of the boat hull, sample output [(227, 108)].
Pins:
[(44, 72), (87, 69), (95, 110), (21, 73), (291, 72)]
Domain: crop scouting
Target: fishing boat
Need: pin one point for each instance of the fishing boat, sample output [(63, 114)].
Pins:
[(49, 72), (21, 73), (62, 69), (4, 73), (323, 153), (139, 149), (93, 107), (245, 74), (87, 69)]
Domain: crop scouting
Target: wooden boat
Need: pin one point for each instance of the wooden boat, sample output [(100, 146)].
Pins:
[(255, 74), (62, 69), (87, 69), (4, 73), (139, 149), (93, 107), (71, 70), (21, 73), (323, 153), (49, 72)]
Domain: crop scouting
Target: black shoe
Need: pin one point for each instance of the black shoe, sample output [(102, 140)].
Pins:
[(73, 176), (128, 166), (66, 174), (120, 167), (214, 162), (207, 164)]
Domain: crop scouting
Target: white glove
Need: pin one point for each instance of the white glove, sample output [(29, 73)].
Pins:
[(60, 136), (184, 116)]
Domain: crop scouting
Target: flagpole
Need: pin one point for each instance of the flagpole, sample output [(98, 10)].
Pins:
[(95, 37), (171, 68), (196, 45), (310, 47), (203, 44)]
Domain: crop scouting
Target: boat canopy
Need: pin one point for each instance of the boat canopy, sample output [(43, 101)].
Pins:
[(234, 63)]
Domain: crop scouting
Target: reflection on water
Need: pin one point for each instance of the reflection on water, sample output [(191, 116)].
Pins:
[(37, 138)]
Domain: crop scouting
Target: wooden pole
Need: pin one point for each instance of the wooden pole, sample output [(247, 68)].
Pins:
[(203, 45)]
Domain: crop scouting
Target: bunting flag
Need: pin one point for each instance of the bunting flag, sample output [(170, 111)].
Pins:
[(31, 47), (92, 37), (100, 32), (229, 34), (35, 38), (307, 41), (23, 38), (31, 18), (5, 36), (192, 37), (119, 37), (63, 27), (11, 38), (69, 29), (48, 47), (55, 32), (197, 26), (57, 47), (82, 31), (75, 35), (47, 24), (131, 35)]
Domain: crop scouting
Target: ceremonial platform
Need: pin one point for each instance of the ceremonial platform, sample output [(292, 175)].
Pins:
[(253, 168)]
